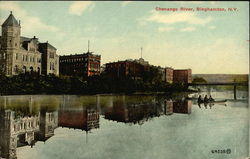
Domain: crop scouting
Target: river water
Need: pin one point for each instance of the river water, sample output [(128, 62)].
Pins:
[(123, 127)]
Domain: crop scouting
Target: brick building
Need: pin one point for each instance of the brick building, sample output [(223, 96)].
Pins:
[(128, 68), (86, 64), (182, 76), (21, 54)]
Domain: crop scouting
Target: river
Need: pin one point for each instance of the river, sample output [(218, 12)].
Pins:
[(123, 127)]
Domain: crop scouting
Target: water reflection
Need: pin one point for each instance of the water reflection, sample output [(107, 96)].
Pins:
[(141, 112), (81, 118), (20, 130), (26, 120)]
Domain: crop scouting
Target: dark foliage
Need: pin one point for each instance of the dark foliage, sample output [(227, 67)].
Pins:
[(50, 84), (199, 80)]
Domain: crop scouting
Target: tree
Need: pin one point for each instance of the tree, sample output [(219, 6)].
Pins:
[(199, 80)]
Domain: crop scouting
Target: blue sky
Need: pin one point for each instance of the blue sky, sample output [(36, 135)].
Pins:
[(206, 42)]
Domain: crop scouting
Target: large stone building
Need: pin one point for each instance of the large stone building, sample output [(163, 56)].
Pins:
[(85, 65), (21, 54)]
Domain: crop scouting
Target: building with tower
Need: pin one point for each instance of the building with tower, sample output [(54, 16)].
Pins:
[(20, 54)]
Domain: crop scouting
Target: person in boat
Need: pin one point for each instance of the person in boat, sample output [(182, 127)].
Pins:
[(205, 99), (205, 104), (200, 99), (210, 99)]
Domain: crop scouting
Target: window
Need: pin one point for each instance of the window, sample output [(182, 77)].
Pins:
[(16, 69), (51, 55), (50, 67), (16, 56)]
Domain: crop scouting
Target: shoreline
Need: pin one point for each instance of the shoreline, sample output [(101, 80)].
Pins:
[(103, 94)]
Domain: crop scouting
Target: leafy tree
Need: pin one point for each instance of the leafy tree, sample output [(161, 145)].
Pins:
[(199, 80)]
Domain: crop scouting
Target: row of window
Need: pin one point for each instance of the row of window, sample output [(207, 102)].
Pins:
[(73, 60), (24, 69), (95, 66), (25, 125), (79, 60), (28, 58)]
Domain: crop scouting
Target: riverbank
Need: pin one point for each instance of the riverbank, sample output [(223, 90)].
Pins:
[(40, 84)]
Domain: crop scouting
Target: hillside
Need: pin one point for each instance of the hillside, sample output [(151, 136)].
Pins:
[(223, 77)]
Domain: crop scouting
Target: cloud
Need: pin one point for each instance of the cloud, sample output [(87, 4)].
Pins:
[(124, 3), (164, 29), (173, 18), (188, 29), (77, 8), (31, 25)]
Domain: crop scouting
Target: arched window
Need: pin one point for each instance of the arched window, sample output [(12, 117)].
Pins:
[(38, 70), (16, 69), (24, 69), (31, 69)]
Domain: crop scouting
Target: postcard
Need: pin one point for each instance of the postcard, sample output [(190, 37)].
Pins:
[(124, 80)]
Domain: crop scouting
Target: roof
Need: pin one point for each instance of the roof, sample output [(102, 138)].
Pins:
[(48, 45), (22, 39), (10, 21)]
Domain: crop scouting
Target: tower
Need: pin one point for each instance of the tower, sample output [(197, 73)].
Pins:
[(10, 43), (8, 138)]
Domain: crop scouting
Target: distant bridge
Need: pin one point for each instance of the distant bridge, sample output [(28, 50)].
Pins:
[(219, 84), (235, 84)]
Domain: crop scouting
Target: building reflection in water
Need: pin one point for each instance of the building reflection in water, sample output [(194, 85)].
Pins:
[(17, 131), (29, 122), (84, 115), (81, 118), (141, 112), (183, 107)]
